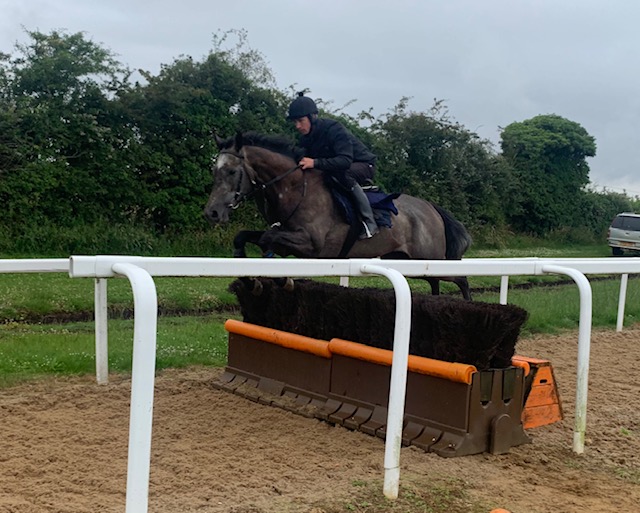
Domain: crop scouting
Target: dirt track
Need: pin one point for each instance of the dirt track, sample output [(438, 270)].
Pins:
[(64, 447)]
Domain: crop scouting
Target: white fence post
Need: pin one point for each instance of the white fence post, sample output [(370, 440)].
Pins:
[(622, 299), (504, 289), (584, 348), (101, 320), (398, 386), (142, 384)]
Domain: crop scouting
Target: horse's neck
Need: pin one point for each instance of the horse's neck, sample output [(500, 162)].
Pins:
[(288, 186), (267, 165)]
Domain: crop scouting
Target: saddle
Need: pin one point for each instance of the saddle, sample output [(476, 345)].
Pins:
[(381, 204)]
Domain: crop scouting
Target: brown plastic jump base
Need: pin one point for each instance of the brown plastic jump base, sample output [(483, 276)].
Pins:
[(451, 409)]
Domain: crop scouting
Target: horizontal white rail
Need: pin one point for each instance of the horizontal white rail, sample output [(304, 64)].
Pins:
[(102, 266), (35, 265)]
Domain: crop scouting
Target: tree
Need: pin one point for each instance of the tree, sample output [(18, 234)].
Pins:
[(430, 156), (548, 154), (60, 159)]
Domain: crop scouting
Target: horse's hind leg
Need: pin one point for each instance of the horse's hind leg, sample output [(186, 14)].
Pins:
[(435, 286), (463, 284), (461, 281)]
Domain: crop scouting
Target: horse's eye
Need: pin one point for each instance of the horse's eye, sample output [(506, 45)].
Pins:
[(232, 172)]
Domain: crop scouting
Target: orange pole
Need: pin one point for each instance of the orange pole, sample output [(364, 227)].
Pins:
[(281, 338), (459, 372), (516, 361)]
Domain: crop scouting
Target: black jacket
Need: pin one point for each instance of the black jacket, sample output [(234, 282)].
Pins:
[(333, 147)]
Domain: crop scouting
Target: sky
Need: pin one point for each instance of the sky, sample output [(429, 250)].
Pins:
[(493, 62)]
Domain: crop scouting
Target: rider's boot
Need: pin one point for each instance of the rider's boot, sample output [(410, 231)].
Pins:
[(366, 214)]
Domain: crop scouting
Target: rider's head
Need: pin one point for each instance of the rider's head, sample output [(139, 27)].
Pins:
[(303, 112)]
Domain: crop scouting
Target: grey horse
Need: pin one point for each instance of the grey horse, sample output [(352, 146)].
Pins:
[(303, 216)]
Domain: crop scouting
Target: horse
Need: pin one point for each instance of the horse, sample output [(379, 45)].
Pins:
[(304, 219)]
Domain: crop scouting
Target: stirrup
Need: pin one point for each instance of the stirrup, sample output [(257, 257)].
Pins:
[(366, 233)]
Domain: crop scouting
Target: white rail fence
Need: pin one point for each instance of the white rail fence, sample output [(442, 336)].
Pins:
[(142, 389), (141, 270)]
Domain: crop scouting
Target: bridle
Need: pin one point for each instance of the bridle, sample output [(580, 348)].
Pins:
[(257, 186), (239, 196)]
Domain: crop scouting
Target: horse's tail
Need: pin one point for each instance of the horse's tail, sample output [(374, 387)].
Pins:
[(456, 235)]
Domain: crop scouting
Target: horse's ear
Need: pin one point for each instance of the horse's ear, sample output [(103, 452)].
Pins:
[(239, 141), (219, 140)]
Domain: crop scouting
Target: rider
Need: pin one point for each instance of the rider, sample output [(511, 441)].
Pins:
[(331, 148)]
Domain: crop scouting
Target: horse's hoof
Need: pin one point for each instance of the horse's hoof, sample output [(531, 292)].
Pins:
[(289, 285), (257, 288), (239, 253)]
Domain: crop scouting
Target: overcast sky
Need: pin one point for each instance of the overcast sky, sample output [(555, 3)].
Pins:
[(494, 62)]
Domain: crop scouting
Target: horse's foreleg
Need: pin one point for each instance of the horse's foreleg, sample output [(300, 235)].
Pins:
[(253, 285), (255, 237), (297, 243), (242, 238), (287, 284), (239, 243)]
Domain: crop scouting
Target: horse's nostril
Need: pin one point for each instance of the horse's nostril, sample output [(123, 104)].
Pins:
[(211, 215)]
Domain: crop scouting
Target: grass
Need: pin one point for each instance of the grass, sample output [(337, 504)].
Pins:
[(545, 251), (554, 309), (31, 296), (428, 494), (31, 350)]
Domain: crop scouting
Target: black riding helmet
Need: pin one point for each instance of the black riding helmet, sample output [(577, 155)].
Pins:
[(302, 106)]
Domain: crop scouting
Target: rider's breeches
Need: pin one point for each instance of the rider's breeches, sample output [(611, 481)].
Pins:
[(359, 172)]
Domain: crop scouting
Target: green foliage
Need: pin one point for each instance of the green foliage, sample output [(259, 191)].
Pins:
[(82, 146), (435, 158), (58, 157), (548, 155), (174, 114), (102, 237), (598, 209)]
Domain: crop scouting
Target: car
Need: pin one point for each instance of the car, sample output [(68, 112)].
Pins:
[(624, 233)]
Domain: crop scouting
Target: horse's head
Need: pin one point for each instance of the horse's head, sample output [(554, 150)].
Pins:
[(230, 181)]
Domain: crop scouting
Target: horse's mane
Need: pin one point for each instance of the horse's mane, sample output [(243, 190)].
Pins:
[(276, 143)]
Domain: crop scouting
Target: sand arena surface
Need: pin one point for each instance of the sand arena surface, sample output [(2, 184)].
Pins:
[(64, 446)]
